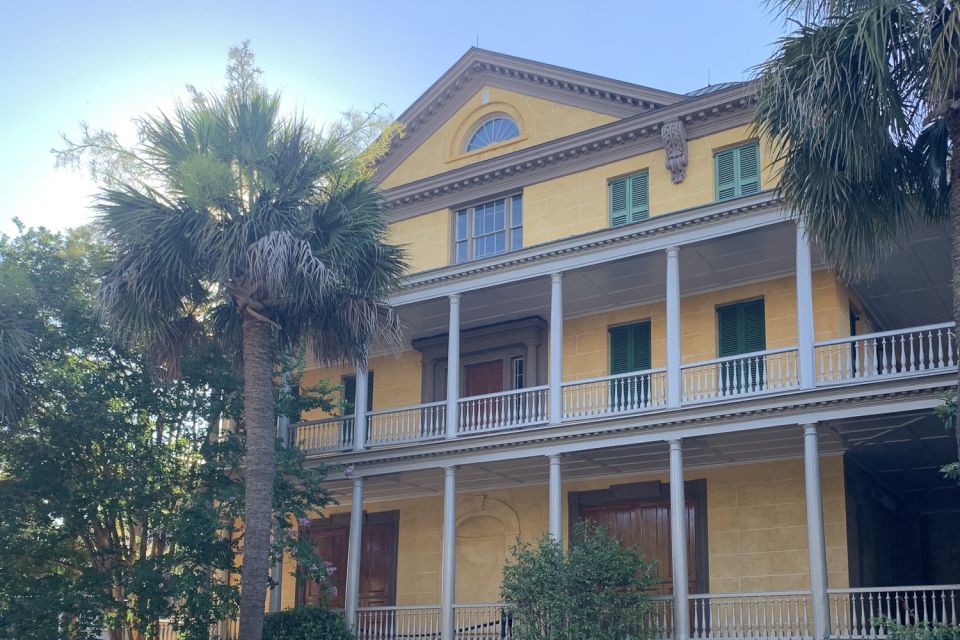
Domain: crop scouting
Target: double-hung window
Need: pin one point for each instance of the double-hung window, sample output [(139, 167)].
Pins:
[(488, 229), (737, 171), (629, 352), (350, 393), (629, 199)]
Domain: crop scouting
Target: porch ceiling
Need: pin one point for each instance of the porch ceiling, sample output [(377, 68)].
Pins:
[(912, 286), (902, 450), (712, 264)]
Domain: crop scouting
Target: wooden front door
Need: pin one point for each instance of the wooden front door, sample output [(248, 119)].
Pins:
[(378, 559), (639, 514), (646, 525), (482, 378)]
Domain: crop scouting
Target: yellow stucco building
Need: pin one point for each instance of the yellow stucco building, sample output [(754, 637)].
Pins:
[(610, 315)]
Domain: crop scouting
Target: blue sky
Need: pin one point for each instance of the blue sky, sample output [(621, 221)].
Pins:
[(104, 62)]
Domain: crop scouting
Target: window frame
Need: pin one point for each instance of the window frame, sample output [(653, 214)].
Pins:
[(510, 201), (484, 122)]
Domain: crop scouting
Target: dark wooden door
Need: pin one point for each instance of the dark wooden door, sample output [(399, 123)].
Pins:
[(378, 559), (482, 378), (646, 524)]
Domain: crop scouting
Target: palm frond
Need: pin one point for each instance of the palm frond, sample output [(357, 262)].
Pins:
[(841, 101)]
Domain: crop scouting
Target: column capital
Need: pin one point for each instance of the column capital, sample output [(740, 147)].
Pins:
[(358, 481), (676, 443), (454, 298), (810, 427), (554, 458), (449, 471), (673, 252), (556, 278)]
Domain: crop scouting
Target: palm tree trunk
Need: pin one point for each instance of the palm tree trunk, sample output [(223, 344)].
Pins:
[(259, 473), (953, 126)]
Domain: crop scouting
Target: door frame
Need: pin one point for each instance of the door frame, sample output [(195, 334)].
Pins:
[(342, 521), (695, 491)]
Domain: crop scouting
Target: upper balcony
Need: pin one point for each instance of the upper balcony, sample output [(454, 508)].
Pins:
[(694, 309)]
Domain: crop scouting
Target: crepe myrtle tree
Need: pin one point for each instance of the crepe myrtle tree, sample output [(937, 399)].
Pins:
[(862, 105), (230, 218)]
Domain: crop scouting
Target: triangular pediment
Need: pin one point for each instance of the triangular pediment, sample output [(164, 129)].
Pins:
[(587, 100)]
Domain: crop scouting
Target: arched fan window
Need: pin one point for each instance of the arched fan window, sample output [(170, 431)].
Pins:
[(492, 131)]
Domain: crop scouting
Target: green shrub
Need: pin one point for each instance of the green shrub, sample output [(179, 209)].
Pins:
[(305, 623), (919, 631), (593, 592)]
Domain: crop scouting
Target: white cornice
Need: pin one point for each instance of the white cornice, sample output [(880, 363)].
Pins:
[(775, 410)]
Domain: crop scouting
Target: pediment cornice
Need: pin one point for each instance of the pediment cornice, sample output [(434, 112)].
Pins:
[(478, 68)]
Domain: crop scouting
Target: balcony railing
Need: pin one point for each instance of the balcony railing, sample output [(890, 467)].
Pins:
[(621, 393), (482, 621), (858, 613), (886, 354), (407, 424), (773, 614), (660, 620), (396, 623), (740, 375), (858, 359), (328, 434), (504, 410)]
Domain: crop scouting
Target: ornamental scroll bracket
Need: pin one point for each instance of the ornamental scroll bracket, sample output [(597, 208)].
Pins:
[(674, 136)]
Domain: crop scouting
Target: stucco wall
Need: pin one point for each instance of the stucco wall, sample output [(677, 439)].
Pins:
[(756, 520)]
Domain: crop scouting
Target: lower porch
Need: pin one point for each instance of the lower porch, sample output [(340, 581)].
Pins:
[(787, 531)]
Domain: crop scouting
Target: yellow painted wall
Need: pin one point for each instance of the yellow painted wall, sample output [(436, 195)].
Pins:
[(756, 518), (396, 380), (577, 203), (426, 239), (539, 121), (586, 346), (586, 343)]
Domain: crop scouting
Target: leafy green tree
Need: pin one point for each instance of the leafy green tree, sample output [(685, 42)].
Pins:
[(862, 103), (596, 591), (117, 496), (231, 219)]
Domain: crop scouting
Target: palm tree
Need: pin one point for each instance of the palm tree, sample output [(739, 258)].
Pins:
[(862, 104), (252, 226)]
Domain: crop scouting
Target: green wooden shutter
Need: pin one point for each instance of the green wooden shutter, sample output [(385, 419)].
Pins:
[(754, 336), (629, 199), (726, 174), (748, 166), (639, 196), (619, 212), (740, 328), (630, 348), (738, 171)]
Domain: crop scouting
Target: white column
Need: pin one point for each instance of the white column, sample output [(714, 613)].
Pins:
[(816, 544), (674, 380), (556, 347), (805, 359), (448, 573), (556, 498), (352, 596), (453, 366), (360, 407), (678, 543)]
